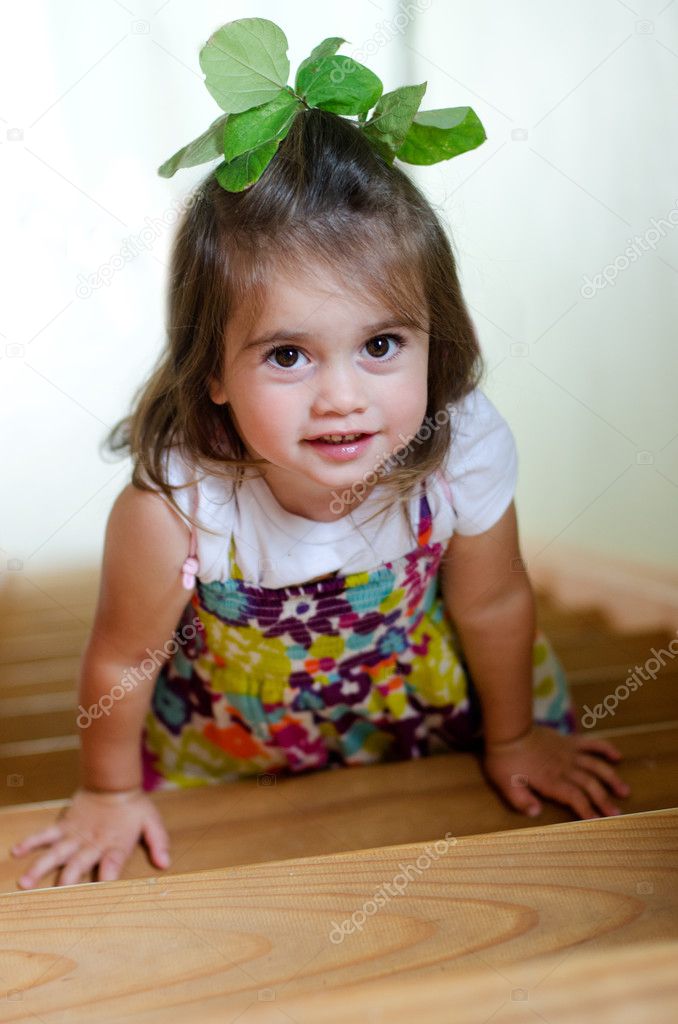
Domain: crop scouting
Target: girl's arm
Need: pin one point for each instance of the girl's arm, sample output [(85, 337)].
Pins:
[(490, 599), (488, 596), (141, 600)]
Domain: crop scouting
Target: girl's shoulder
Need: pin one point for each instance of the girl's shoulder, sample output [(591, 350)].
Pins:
[(144, 546), (209, 499), (477, 425), (480, 471)]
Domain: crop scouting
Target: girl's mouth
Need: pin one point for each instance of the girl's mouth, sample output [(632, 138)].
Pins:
[(337, 438), (341, 447)]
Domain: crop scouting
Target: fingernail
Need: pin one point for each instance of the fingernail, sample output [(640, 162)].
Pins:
[(533, 811)]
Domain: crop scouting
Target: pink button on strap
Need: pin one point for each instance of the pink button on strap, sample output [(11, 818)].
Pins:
[(188, 572), (191, 564)]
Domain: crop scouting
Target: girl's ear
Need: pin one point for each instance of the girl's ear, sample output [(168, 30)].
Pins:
[(218, 392)]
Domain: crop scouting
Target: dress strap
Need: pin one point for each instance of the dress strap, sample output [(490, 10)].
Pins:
[(425, 528), (234, 570), (191, 564), (425, 517)]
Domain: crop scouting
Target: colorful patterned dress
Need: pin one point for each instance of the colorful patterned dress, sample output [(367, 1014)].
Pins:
[(344, 670)]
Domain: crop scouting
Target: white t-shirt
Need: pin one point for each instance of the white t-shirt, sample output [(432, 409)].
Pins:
[(275, 548)]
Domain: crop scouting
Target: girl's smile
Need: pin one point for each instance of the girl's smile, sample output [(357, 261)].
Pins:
[(322, 363), (344, 450)]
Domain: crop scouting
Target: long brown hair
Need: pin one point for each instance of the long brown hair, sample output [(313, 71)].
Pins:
[(326, 200)]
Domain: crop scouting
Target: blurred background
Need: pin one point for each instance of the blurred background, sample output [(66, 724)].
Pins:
[(565, 227), (564, 223)]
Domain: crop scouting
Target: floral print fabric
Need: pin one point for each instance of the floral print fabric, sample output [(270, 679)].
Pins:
[(348, 669)]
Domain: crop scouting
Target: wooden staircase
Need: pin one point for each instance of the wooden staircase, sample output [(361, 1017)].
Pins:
[(44, 629)]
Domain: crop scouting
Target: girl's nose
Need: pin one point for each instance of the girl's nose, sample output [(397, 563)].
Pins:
[(338, 389)]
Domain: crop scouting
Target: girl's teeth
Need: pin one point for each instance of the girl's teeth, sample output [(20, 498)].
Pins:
[(340, 437)]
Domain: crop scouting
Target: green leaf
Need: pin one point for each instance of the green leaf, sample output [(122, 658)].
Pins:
[(339, 84), (252, 128), (328, 47), (436, 135), (392, 117), (206, 147), (245, 63), (236, 175)]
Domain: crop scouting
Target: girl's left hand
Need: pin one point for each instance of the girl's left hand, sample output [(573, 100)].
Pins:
[(563, 767)]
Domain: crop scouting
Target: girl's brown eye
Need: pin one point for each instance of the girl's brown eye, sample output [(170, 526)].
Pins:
[(287, 361), (382, 342)]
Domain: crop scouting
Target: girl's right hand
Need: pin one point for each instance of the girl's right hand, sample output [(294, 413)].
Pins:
[(96, 828)]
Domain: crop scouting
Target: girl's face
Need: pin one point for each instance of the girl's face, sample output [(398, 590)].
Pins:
[(322, 360)]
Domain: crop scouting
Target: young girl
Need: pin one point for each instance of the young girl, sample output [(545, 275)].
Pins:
[(316, 563)]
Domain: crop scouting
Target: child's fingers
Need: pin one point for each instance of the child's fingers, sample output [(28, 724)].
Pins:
[(112, 863), (522, 799), (59, 854), (156, 836), (595, 791), (79, 864), (605, 771), (48, 835), (572, 796), (597, 746)]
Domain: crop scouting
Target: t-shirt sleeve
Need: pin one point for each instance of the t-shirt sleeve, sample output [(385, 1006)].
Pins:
[(209, 500), (178, 471), (481, 469)]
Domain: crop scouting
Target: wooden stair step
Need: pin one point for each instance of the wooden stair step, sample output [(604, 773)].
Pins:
[(38, 717), (68, 590), (596, 651), (57, 670), (42, 646), (33, 770), (656, 700), (23, 623), (650, 767), (345, 809), (67, 686), (53, 713)]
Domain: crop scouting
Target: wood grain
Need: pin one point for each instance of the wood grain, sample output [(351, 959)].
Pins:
[(347, 809), (558, 923)]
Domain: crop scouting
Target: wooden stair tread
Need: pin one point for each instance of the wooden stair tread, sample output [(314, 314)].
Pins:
[(376, 805), (70, 589), (41, 711), (43, 646), (574, 922), (349, 808), (57, 670)]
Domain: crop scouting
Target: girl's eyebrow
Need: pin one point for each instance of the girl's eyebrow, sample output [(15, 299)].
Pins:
[(281, 334)]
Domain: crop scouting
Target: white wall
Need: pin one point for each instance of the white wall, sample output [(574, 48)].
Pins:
[(577, 100), (104, 92)]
